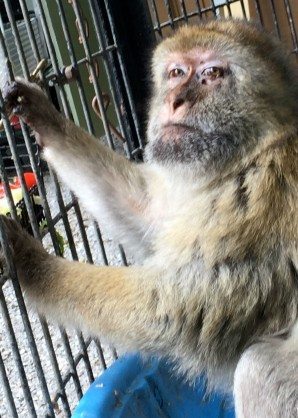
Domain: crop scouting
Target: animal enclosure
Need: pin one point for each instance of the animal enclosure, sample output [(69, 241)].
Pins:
[(91, 59)]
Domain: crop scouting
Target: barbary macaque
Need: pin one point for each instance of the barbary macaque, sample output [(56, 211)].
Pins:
[(212, 213)]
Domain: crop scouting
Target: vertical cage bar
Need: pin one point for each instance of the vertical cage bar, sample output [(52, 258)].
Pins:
[(8, 194), (197, 2), (117, 96), (258, 10), (275, 21), (25, 319), (243, 9), (96, 86), (291, 23), (52, 55), (213, 7), (58, 193), (20, 172), (42, 194), (17, 356), (141, 30), (7, 389), (73, 60), (71, 362), (156, 17), (229, 8), (169, 12), (184, 11), (30, 31), (57, 373), (17, 39)]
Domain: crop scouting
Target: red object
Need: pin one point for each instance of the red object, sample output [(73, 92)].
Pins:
[(30, 181), (15, 122)]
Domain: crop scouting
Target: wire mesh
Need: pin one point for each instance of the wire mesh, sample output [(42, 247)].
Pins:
[(44, 369), (279, 16)]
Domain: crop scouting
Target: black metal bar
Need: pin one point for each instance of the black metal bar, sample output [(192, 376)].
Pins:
[(85, 357), (20, 172), (111, 72), (36, 170), (100, 53), (74, 62), (275, 21), (58, 191), (102, 248), (213, 7), (17, 356), (229, 8), (169, 12), (76, 207), (243, 9), (83, 232), (201, 12), (156, 17), (64, 217), (100, 353), (13, 149), (114, 353), (55, 366), (30, 31), (184, 11), (123, 255), (67, 207), (42, 194), (41, 189), (96, 86), (7, 389), (139, 33), (258, 11), (17, 38), (70, 373), (291, 23), (25, 319), (8, 194), (52, 55), (71, 362)]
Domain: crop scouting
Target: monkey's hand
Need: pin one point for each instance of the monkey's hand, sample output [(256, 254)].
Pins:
[(29, 102), (22, 246)]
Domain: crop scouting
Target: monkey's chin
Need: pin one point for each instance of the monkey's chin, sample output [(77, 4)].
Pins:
[(171, 149), (192, 147)]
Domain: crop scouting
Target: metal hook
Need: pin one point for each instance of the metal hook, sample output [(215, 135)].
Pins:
[(95, 106)]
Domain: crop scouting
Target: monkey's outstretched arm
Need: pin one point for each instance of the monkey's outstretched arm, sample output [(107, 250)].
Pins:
[(107, 183), (120, 303)]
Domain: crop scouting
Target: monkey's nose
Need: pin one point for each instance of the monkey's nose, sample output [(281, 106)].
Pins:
[(178, 102)]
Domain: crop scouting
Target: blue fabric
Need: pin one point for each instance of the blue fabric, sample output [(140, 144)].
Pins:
[(137, 388)]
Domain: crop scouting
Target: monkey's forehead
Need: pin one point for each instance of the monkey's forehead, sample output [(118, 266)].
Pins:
[(219, 36)]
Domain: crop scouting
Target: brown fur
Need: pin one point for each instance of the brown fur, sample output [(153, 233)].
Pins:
[(219, 237)]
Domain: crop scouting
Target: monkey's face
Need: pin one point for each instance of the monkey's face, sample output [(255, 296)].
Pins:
[(214, 94), (183, 127)]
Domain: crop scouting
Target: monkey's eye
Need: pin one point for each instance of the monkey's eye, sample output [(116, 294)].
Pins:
[(176, 72), (213, 72)]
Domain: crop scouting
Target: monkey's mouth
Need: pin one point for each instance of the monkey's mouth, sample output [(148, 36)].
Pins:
[(175, 130)]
